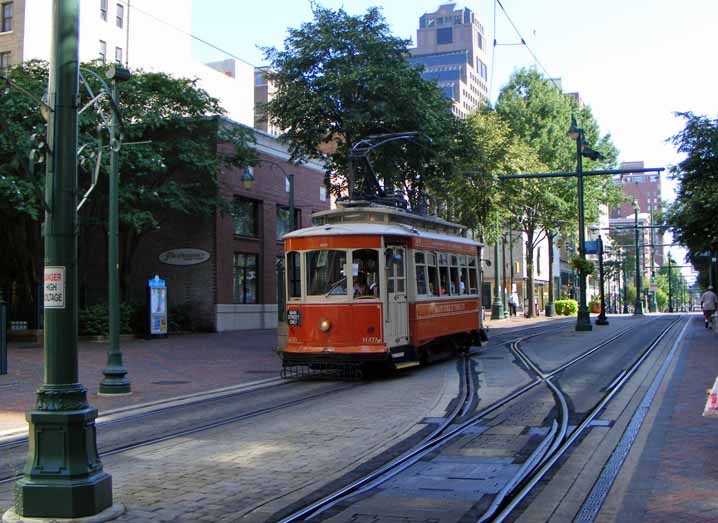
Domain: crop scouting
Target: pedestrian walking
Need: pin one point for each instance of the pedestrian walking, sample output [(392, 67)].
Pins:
[(709, 302), (513, 303)]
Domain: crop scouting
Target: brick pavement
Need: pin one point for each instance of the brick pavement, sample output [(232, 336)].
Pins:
[(157, 369), (676, 479)]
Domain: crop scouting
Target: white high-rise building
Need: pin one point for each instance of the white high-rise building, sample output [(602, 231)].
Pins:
[(154, 35)]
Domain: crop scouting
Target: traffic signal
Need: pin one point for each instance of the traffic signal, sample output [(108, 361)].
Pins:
[(653, 276)]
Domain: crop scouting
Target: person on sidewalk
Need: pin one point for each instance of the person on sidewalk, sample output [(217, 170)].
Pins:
[(513, 303), (709, 302)]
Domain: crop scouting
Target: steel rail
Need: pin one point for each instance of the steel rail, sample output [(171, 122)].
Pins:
[(410, 457), (206, 426), (535, 478), (21, 440)]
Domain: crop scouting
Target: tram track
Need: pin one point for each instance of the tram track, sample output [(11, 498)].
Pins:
[(529, 481), (169, 435), (556, 443)]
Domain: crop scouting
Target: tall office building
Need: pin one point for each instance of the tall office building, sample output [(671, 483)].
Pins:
[(145, 34), (451, 45), (644, 188)]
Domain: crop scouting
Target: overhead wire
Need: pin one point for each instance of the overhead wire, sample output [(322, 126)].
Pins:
[(523, 42), (186, 33)]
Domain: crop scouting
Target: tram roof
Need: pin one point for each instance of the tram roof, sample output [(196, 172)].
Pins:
[(376, 229)]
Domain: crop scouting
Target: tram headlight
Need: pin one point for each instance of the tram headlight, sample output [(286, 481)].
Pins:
[(325, 325)]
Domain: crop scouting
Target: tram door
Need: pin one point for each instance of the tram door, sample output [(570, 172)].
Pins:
[(396, 319)]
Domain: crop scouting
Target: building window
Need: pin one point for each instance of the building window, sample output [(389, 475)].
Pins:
[(244, 277), (430, 22), (244, 214), (103, 10), (6, 14), (118, 55), (259, 79), (480, 41), (103, 51), (120, 18), (322, 194), (283, 225), (444, 35), (4, 62)]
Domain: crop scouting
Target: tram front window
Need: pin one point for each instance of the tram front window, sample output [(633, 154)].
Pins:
[(365, 272), (325, 273)]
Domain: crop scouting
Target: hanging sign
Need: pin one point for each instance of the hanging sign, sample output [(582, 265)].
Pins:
[(592, 247), (54, 288), (184, 256)]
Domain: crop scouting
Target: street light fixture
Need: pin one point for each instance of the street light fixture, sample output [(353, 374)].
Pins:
[(583, 320), (638, 308)]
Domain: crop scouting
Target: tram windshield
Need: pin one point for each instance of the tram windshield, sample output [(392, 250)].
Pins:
[(325, 273)]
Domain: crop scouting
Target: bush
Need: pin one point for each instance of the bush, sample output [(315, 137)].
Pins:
[(95, 319), (566, 307), (180, 318)]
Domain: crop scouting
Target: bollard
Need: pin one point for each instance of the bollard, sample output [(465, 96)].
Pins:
[(3, 336)]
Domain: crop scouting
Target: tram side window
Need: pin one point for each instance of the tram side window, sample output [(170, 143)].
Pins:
[(455, 282), (294, 275), (473, 280), (365, 271), (420, 261), (432, 273), (325, 273), (463, 275), (444, 288)]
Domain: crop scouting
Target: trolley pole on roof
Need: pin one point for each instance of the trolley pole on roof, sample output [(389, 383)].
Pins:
[(583, 322)]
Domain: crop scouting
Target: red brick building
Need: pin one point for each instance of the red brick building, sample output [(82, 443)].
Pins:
[(223, 271)]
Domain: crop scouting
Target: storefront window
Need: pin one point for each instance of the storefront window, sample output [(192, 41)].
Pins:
[(245, 278), (325, 273)]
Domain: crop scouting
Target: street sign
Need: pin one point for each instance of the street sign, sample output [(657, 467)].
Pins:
[(654, 286), (592, 246)]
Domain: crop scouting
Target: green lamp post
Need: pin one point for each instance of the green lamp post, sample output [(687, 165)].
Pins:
[(583, 320), (115, 374), (63, 476), (638, 308), (497, 308)]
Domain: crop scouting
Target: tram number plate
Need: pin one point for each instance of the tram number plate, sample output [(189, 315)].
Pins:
[(294, 317)]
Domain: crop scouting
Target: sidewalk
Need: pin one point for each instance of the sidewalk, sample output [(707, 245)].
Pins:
[(676, 475), (157, 369)]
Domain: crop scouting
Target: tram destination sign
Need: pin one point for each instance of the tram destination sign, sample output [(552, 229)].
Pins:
[(294, 317)]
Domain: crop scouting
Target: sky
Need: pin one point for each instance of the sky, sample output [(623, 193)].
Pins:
[(635, 62)]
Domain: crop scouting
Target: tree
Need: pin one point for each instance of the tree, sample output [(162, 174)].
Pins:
[(539, 116), (692, 214), (341, 78), (174, 169)]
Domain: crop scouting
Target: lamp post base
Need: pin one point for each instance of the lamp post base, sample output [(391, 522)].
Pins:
[(64, 476), (601, 321), (115, 381), (583, 320), (497, 311)]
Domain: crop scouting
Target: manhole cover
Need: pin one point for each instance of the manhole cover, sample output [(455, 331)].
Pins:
[(170, 382)]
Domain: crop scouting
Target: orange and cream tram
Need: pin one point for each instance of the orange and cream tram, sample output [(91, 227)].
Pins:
[(373, 285)]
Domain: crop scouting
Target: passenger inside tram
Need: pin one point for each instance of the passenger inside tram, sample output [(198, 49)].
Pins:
[(366, 275)]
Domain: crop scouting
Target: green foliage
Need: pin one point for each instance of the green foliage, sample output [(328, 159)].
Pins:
[(174, 170), (180, 318), (661, 300), (692, 214), (95, 319), (340, 78), (566, 307), (581, 265)]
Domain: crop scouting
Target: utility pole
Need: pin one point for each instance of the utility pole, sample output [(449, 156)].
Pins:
[(503, 265), (670, 284), (63, 475)]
